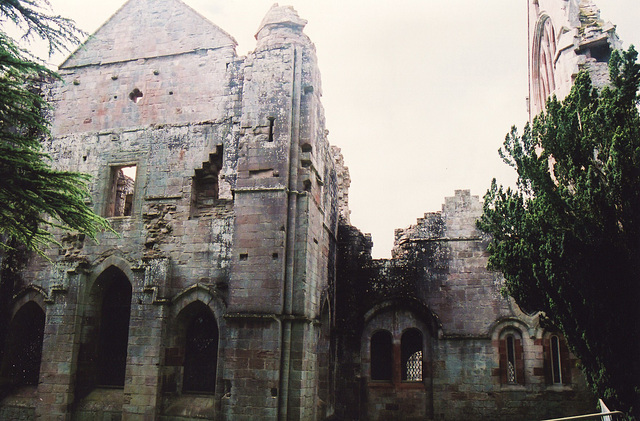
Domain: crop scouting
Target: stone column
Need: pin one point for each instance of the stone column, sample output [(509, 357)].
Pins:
[(60, 345), (142, 389)]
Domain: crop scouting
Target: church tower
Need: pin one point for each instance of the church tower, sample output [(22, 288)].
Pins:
[(285, 229), (565, 37)]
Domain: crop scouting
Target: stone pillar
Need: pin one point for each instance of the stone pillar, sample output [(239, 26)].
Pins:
[(60, 345), (142, 389)]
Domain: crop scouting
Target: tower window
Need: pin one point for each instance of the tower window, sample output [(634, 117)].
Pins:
[(271, 123)]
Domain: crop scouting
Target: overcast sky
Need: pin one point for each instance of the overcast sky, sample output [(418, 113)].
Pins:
[(418, 94)]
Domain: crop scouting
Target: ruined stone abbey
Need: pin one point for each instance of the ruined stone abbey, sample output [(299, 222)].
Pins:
[(234, 286)]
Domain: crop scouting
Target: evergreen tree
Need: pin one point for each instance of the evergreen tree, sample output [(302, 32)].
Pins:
[(34, 197), (567, 238)]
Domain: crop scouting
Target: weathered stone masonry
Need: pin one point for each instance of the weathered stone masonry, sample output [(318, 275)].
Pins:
[(437, 283), (234, 217), (234, 286)]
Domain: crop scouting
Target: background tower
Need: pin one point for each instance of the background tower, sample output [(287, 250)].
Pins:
[(565, 36)]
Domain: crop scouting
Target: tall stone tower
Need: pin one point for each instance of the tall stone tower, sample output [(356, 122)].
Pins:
[(284, 229), (565, 36)]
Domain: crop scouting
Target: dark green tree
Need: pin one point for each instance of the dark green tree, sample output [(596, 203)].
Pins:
[(34, 197), (567, 238)]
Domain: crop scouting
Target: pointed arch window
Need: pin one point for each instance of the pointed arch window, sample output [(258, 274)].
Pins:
[(201, 353)]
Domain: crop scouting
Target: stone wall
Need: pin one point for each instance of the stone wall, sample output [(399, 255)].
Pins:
[(234, 213), (239, 222), (437, 283)]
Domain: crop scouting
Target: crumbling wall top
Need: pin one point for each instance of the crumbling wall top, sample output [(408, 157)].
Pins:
[(344, 182), (593, 28), (283, 20)]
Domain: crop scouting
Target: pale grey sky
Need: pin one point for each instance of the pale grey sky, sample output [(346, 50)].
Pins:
[(418, 94)]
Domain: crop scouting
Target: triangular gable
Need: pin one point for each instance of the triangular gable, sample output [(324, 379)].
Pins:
[(149, 28)]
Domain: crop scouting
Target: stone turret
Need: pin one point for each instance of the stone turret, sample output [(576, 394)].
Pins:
[(281, 22)]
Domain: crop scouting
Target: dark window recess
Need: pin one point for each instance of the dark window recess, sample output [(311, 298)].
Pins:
[(121, 191), (271, 123), (114, 331), (205, 186), (601, 53), (23, 348), (381, 356), (555, 360), (411, 350), (201, 353)]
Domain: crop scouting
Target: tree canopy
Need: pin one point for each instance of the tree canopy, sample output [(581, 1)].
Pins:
[(567, 238), (34, 197)]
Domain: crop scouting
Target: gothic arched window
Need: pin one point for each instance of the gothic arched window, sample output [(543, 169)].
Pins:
[(543, 58), (201, 353)]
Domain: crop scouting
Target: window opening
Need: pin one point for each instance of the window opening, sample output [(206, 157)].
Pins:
[(271, 123), (123, 179), (381, 355), (201, 353), (205, 188), (23, 349), (511, 360), (135, 95), (114, 331), (555, 360), (411, 351)]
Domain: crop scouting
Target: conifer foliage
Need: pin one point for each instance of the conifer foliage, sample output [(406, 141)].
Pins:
[(567, 238), (34, 197)]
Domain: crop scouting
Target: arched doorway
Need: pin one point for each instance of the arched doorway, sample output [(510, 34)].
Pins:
[(102, 358)]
